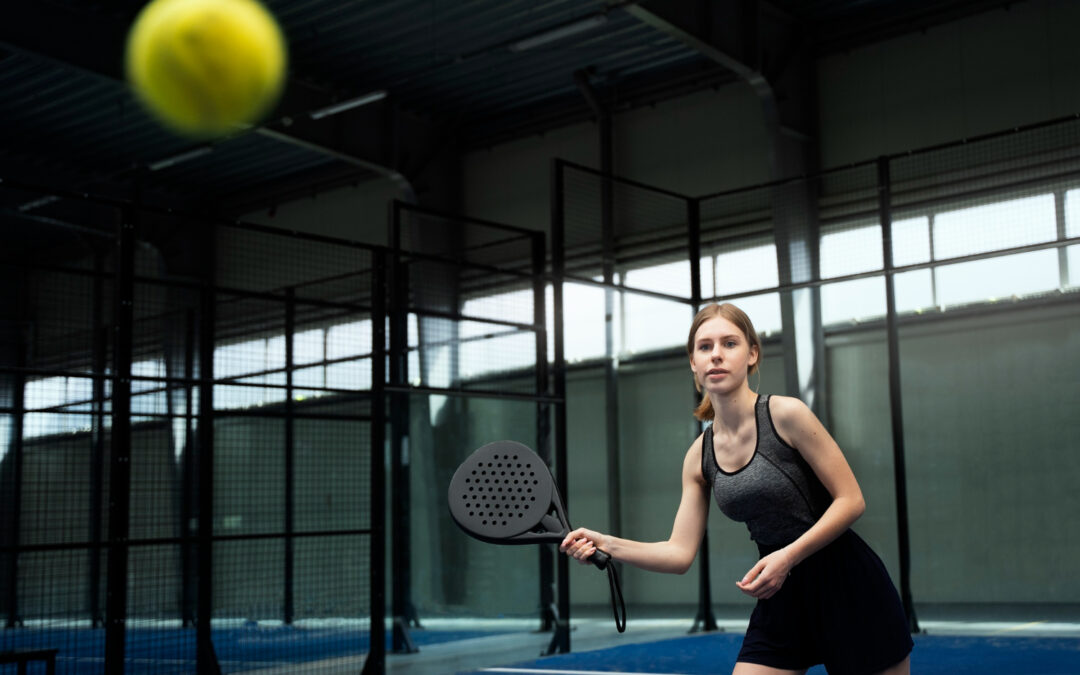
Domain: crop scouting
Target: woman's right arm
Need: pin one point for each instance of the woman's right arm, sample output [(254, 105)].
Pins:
[(674, 555)]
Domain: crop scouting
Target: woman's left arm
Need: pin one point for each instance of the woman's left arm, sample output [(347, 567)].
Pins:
[(799, 427)]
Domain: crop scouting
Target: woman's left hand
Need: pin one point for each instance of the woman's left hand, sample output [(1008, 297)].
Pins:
[(766, 577)]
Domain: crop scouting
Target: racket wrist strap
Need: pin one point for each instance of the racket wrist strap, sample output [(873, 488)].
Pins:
[(618, 605)]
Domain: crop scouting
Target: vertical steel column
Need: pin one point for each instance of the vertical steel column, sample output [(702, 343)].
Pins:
[(206, 659), (606, 131), (375, 664), (120, 455), (543, 409), (895, 392), (560, 641), (705, 620), (611, 373), (97, 441), (18, 402), (187, 496), (401, 558), (290, 454)]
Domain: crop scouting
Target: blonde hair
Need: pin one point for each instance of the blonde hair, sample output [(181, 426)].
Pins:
[(728, 311)]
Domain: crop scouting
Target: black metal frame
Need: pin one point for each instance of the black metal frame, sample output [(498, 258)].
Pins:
[(116, 341), (399, 390), (883, 210)]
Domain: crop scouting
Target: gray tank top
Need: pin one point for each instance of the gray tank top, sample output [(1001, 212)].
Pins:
[(777, 494)]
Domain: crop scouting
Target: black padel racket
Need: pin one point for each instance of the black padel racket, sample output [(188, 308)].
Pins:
[(503, 493)]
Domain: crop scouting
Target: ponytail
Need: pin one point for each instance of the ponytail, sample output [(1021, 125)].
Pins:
[(704, 411)]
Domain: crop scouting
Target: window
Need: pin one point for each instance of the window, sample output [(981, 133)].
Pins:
[(1072, 229), (948, 234), (651, 323)]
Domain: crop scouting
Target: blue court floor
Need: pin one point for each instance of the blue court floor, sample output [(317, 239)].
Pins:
[(716, 653)]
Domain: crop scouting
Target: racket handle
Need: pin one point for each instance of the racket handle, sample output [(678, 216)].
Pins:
[(600, 559)]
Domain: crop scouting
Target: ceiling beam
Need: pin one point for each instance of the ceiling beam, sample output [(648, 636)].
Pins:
[(375, 137)]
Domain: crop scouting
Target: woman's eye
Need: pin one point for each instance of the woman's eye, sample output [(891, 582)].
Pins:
[(729, 344)]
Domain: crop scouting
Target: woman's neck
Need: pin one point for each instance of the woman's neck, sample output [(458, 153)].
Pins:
[(732, 409)]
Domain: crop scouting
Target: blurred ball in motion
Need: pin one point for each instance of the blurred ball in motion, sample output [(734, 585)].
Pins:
[(206, 67)]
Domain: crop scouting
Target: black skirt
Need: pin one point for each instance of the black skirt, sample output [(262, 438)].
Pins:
[(838, 608)]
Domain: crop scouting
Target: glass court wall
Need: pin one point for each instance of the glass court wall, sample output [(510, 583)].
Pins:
[(977, 244)]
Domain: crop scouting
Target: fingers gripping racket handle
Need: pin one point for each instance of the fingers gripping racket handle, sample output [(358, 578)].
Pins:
[(600, 559)]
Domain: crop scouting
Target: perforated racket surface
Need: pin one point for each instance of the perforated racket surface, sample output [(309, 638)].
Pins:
[(503, 493)]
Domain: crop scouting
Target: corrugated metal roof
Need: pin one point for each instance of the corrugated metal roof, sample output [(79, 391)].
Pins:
[(68, 119)]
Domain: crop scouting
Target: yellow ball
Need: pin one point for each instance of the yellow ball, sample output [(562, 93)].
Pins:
[(206, 67)]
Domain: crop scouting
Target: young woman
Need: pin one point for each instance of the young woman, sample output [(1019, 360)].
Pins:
[(823, 595)]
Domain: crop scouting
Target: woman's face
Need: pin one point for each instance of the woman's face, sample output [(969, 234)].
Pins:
[(722, 356)]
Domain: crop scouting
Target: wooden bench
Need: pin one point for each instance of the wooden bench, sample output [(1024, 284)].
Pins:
[(25, 656)]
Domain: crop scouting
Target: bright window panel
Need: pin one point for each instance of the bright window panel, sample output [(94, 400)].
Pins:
[(851, 251), (155, 369), (349, 339), (308, 346), (145, 404), (746, 269), (708, 283), (1072, 213), (275, 354), (993, 227), (1072, 256), (438, 364), (5, 435), (239, 358), (47, 392), (670, 278), (498, 354), (516, 306), (349, 375), (911, 241), (654, 323), (80, 391), (855, 300), (583, 322), (997, 278), (914, 291), (763, 310)]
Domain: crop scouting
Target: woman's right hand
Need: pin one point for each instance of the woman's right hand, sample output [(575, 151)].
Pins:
[(581, 544)]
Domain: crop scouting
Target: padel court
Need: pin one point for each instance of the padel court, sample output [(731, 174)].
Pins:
[(275, 402)]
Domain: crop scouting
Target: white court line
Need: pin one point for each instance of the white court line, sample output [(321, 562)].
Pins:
[(1022, 626), (548, 672)]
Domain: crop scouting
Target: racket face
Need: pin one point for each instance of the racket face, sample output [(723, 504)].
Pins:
[(501, 491)]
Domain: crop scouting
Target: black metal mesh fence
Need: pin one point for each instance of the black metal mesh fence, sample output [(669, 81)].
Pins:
[(265, 497)]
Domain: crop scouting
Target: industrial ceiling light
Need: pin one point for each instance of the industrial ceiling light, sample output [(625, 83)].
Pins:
[(558, 33), (180, 158), (335, 108)]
